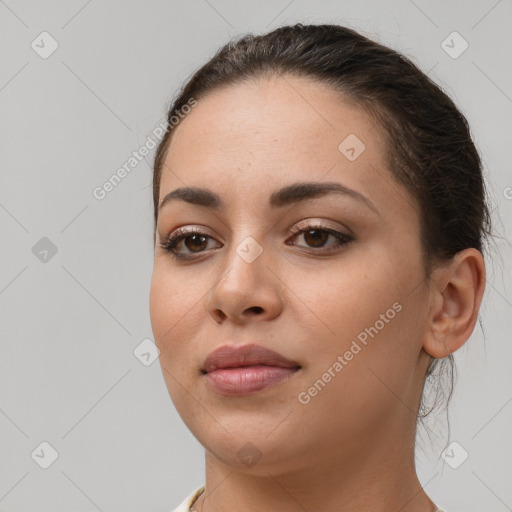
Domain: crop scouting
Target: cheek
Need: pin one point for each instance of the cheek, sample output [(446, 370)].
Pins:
[(364, 312), (343, 298), (170, 315), (174, 307), (161, 305)]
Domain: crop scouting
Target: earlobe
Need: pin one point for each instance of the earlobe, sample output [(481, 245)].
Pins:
[(457, 290)]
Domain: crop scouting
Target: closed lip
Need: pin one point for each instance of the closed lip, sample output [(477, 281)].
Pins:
[(236, 356)]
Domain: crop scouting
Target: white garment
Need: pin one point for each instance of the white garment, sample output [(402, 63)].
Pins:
[(187, 502)]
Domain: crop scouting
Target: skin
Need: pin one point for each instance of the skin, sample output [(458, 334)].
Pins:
[(351, 448)]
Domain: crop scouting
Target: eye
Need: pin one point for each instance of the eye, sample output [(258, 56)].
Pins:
[(193, 239), (316, 236)]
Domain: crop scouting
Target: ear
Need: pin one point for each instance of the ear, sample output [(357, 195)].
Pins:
[(456, 294)]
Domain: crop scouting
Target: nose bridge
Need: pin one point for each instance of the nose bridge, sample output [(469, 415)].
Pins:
[(246, 263), (246, 282), (246, 246)]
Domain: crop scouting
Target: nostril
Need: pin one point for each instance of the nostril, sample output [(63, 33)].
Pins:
[(257, 309), (216, 315)]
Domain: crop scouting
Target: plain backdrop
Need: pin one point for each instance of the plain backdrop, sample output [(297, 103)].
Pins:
[(75, 270)]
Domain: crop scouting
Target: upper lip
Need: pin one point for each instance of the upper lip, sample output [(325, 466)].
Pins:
[(235, 356)]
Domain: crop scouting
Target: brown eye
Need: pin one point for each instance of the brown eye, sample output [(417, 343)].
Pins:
[(183, 244), (195, 242), (316, 237)]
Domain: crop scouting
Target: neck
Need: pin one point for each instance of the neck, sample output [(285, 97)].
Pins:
[(379, 476)]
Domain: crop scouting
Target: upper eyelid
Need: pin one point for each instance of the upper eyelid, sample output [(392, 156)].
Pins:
[(321, 224), (187, 229)]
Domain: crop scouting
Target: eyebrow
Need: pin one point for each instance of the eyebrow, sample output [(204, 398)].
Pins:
[(289, 194)]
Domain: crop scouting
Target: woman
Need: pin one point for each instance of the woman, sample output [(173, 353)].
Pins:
[(319, 220)]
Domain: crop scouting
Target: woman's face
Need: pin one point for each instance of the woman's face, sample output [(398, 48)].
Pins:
[(350, 312)]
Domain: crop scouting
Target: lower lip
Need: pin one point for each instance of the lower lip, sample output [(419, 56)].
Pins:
[(247, 379)]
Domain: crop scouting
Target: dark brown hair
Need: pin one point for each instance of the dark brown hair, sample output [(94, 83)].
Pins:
[(430, 149)]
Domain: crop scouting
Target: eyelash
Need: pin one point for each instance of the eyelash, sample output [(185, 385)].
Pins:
[(171, 242)]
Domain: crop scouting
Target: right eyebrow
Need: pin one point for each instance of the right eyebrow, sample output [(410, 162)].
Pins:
[(194, 195)]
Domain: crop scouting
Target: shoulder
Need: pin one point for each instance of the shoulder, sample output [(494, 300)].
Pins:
[(184, 506)]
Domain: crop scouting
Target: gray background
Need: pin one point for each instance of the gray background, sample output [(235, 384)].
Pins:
[(69, 325)]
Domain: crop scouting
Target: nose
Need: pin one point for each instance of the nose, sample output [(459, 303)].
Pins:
[(245, 289)]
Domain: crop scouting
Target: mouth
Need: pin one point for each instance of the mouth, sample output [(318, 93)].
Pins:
[(237, 356), (238, 370)]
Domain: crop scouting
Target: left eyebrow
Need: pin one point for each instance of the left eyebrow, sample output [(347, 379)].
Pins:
[(289, 194), (309, 190)]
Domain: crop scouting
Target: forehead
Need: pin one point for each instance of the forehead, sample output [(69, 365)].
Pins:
[(267, 131), (283, 109)]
